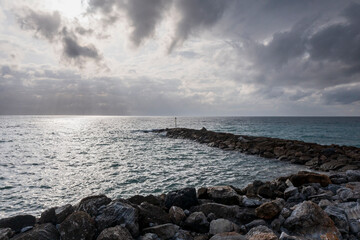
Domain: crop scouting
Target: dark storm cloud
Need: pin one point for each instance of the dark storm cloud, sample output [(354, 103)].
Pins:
[(44, 24), (50, 27), (342, 95)]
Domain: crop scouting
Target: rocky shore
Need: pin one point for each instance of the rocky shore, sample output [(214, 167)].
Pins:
[(315, 156), (305, 205)]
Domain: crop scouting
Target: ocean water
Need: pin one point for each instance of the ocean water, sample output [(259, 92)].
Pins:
[(48, 161)]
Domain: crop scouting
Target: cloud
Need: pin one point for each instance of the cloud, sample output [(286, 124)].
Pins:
[(343, 95)]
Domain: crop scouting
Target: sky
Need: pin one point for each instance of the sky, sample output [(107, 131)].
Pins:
[(180, 57)]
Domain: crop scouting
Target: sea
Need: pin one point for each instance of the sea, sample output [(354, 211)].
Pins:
[(48, 161)]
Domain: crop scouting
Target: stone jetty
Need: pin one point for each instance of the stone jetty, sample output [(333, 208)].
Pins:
[(315, 156), (301, 206)]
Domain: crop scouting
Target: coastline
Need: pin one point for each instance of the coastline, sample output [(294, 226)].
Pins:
[(315, 156), (305, 205)]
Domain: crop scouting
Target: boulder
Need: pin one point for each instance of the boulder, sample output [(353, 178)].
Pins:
[(18, 222), (151, 214), (48, 216), (115, 233), (138, 199), (177, 215), (6, 233), (165, 231), (290, 192), (223, 194), (353, 216), (79, 225), (261, 233), (310, 221), (119, 213), (198, 222), (250, 202), (339, 218), (148, 236), (63, 212), (220, 210), (353, 175), (41, 232), (346, 194), (184, 198), (310, 177), (228, 236), (92, 204), (183, 235), (255, 223), (269, 210), (222, 225)]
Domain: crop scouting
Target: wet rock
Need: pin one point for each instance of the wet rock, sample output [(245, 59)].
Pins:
[(223, 194), (48, 216), (269, 210), (332, 165), (92, 204), (79, 225), (220, 210), (6, 233), (138, 199), (151, 214), (261, 233), (222, 225), (115, 233), (310, 221), (177, 215), (63, 212), (119, 213), (353, 216), (353, 175), (290, 191), (255, 223), (41, 232), (250, 202), (339, 218), (184, 198), (228, 236), (345, 194), (18, 222), (338, 178), (266, 191), (198, 222), (309, 177), (165, 231)]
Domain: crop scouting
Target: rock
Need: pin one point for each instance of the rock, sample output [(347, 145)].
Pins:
[(149, 236), (41, 232), (115, 233), (48, 216), (6, 233), (324, 203), (255, 223), (149, 213), (211, 217), (222, 225), (118, 213), (309, 177), (92, 204), (228, 236), (165, 231), (138, 199), (220, 210), (250, 202), (345, 194), (79, 225), (339, 218), (269, 210), (183, 235), (332, 165), (18, 222), (285, 212), (261, 233), (198, 222), (284, 236), (290, 191), (177, 215), (353, 175), (310, 221), (184, 198), (223, 194), (308, 191), (266, 191), (63, 212), (276, 223), (353, 216)]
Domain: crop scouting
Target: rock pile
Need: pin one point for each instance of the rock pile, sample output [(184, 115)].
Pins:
[(302, 206), (315, 156)]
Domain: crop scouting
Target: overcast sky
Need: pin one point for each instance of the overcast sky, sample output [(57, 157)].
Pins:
[(180, 57)]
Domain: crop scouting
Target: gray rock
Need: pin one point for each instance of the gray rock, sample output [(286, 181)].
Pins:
[(345, 194), (198, 222), (63, 212), (220, 210), (41, 232), (18, 222), (308, 191), (276, 223), (138, 199), (165, 231), (79, 225), (149, 213), (338, 216), (183, 235), (250, 202), (290, 191), (184, 198), (353, 175), (211, 217), (177, 215), (6, 233), (285, 212), (48, 216), (92, 204), (353, 216), (222, 225), (228, 236), (119, 213), (149, 236), (285, 236), (309, 220), (223, 194), (255, 223), (261, 232), (324, 203), (115, 233)]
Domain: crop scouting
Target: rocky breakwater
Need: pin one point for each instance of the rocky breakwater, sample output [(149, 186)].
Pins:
[(315, 156), (297, 207)]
